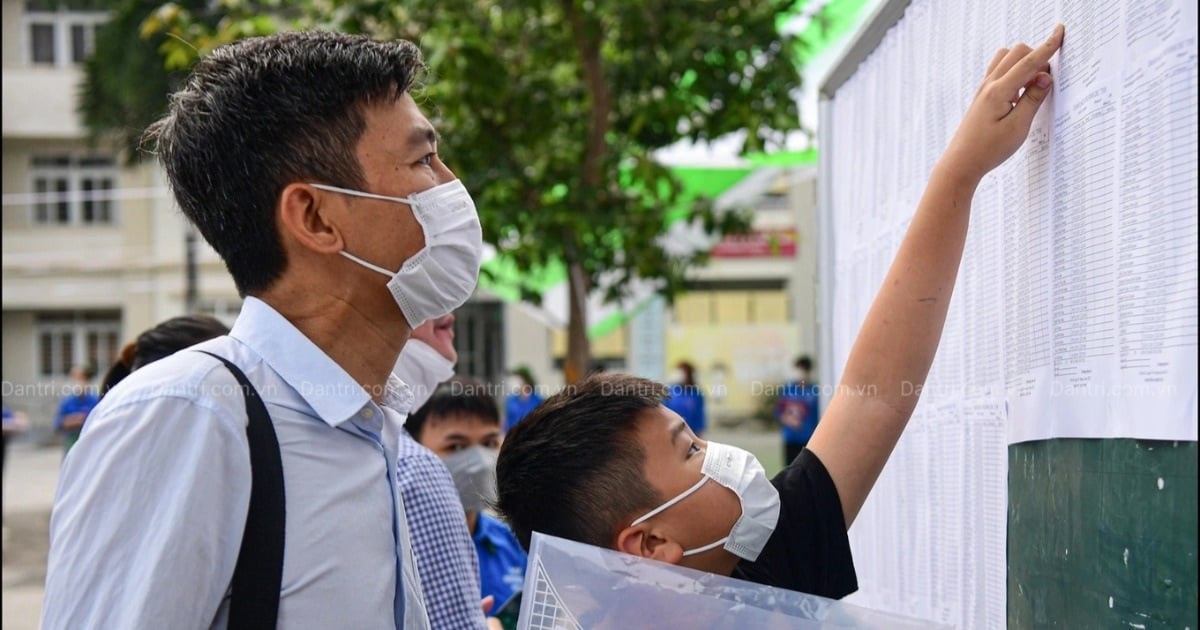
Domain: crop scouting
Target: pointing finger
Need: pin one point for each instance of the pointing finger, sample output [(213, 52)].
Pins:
[(1026, 68)]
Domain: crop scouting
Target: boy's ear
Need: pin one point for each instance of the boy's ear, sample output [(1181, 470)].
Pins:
[(641, 540)]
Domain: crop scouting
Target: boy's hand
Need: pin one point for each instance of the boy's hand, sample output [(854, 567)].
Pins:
[(999, 118)]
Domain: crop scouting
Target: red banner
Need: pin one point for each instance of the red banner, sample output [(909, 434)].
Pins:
[(781, 243)]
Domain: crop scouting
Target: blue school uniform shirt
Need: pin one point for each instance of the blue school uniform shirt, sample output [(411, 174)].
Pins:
[(501, 559), (688, 402), (516, 408), (807, 397)]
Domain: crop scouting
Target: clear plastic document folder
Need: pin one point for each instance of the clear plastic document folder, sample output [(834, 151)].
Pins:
[(573, 586)]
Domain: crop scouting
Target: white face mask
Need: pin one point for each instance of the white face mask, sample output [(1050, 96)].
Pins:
[(474, 472), (739, 471), (422, 368), (442, 276)]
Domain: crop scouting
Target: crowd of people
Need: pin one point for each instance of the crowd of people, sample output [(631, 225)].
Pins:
[(320, 465)]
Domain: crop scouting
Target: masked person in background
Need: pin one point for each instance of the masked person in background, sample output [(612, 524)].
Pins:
[(445, 554), (461, 424)]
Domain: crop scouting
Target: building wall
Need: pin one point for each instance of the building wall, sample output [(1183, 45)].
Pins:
[(749, 318)]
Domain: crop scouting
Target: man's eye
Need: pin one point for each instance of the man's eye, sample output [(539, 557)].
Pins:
[(693, 449), (427, 159)]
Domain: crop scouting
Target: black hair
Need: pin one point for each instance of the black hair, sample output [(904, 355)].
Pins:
[(573, 467), (161, 341), (526, 375), (262, 113), (804, 363), (689, 373), (88, 370), (459, 396)]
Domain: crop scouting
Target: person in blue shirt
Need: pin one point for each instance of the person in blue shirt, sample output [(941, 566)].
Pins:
[(75, 406), (685, 398), (461, 424), (522, 399), (798, 409)]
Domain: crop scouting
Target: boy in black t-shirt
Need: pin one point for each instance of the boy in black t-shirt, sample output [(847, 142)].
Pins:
[(604, 463)]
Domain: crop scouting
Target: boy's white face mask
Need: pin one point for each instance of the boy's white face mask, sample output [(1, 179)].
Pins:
[(442, 276), (740, 471)]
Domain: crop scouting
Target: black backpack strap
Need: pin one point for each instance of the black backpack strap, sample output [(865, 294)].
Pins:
[(258, 576)]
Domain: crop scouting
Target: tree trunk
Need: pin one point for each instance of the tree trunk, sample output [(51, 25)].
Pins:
[(579, 350), (587, 40)]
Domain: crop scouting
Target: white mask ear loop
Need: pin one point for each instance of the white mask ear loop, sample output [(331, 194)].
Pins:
[(683, 495), (359, 193), (367, 264), (692, 552)]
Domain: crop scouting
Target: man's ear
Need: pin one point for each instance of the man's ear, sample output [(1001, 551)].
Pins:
[(303, 219), (641, 540)]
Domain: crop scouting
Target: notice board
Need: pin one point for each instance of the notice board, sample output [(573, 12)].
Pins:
[(1073, 327)]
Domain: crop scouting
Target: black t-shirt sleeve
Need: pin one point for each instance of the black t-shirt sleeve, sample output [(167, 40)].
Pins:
[(809, 550)]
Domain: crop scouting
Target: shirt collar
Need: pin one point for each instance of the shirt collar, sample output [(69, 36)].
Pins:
[(328, 389)]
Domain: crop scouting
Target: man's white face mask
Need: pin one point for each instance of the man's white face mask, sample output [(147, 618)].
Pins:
[(442, 276), (740, 471)]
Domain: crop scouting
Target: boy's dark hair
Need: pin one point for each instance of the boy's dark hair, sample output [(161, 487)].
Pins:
[(159, 342), (804, 363), (573, 467), (457, 396), (265, 112)]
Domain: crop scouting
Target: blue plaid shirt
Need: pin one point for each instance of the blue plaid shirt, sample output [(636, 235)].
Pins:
[(445, 552)]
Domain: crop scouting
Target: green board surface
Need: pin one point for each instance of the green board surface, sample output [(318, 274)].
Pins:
[(1102, 534)]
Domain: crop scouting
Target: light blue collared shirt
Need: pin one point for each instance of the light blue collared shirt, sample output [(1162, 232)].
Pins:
[(151, 503)]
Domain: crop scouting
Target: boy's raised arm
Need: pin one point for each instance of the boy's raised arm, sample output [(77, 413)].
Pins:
[(892, 354)]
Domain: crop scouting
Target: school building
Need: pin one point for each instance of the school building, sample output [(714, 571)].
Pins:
[(95, 251)]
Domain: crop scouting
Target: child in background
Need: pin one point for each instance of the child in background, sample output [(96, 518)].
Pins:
[(685, 398), (76, 405), (522, 399), (798, 410)]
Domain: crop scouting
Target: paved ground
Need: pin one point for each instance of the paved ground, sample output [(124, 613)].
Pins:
[(29, 477), (32, 471)]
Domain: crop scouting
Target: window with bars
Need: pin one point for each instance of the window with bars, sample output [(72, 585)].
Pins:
[(73, 190), (62, 33), (66, 339), (479, 340)]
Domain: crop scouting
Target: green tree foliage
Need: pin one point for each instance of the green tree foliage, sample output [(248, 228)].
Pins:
[(125, 83), (550, 111)]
